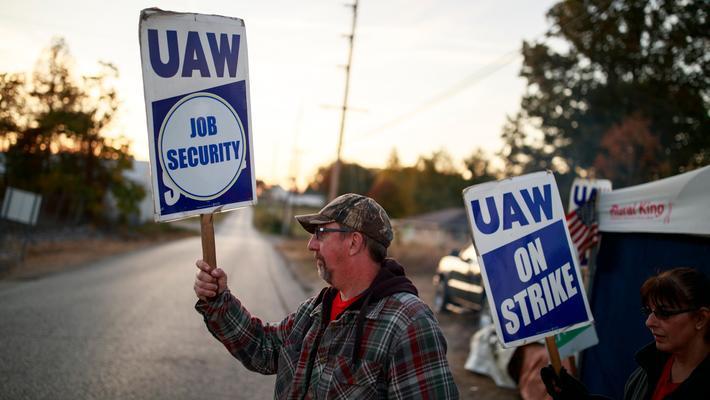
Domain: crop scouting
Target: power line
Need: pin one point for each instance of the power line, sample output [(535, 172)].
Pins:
[(480, 74), (477, 76)]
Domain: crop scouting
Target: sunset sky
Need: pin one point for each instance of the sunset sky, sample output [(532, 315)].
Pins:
[(426, 74)]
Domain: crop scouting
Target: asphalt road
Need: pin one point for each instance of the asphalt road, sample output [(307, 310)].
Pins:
[(125, 328)]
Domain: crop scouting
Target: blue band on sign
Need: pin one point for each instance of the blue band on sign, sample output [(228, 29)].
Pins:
[(535, 285)]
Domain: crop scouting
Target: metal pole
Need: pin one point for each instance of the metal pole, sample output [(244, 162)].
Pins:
[(335, 172)]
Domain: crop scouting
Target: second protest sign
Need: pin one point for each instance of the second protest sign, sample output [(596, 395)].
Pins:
[(530, 274)]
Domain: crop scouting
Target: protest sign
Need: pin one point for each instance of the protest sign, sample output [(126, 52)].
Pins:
[(576, 340), (529, 270), (583, 189), (196, 84)]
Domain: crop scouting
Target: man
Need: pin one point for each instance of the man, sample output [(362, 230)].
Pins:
[(367, 336)]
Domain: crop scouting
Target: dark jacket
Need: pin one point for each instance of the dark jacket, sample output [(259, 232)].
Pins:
[(643, 380), (385, 345)]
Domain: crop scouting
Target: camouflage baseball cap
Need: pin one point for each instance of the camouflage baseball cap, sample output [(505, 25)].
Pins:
[(358, 212)]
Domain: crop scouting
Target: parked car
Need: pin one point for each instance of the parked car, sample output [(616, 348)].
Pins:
[(458, 281)]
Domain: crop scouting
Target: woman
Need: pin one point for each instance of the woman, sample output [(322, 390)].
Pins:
[(676, 364)]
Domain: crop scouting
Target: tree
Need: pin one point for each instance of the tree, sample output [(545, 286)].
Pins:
[(631, 153), (53, 126), (391, 190), (11, 103), (354, 178), (605, 61), (437, 183), (522, 151), (479, 168), (433, 183), (391, 195), (527, 152)]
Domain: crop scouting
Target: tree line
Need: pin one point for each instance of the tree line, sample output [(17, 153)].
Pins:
[(53, 138), (616, 89), (434, 182)]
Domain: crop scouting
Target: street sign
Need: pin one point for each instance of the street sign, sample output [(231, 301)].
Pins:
[(196, 84), (531, 276), (21, 206)]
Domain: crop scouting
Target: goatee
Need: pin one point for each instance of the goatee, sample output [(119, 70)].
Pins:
[(324, 273)]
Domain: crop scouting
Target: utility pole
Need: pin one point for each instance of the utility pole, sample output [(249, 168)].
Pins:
[(335, 171)]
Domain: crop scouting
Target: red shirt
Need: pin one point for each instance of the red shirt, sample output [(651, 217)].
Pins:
[(664, 387), (339, 305)]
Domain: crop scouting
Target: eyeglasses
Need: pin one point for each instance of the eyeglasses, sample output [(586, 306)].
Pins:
[(320, 231), (662, 313)]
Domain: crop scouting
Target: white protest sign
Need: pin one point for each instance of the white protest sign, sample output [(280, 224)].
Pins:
[(196, 84), (575, 340), (531, 277), (583, 189)]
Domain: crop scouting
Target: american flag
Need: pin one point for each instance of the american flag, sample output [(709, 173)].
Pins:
[(583, 227)]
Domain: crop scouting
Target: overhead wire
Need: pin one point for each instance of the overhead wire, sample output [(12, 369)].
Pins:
[(477, 76)]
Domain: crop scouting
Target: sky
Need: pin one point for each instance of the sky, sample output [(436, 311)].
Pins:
[(426, 75)]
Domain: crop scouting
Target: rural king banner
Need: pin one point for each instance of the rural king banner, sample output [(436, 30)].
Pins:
[(196, 84), (531, 276), (677, 204)]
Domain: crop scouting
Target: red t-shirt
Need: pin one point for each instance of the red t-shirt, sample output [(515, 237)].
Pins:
[(339, 305), (664, 387)]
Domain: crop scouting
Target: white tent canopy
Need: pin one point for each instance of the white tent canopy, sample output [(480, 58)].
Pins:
[(679, 204)]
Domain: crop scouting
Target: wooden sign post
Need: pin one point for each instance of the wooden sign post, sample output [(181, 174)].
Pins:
[(553, 353), (209, 253)]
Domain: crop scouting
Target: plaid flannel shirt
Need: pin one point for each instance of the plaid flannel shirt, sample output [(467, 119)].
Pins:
[(403, 352)]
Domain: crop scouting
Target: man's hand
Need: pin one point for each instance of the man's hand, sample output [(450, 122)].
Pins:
[(209, 281)]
